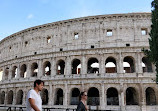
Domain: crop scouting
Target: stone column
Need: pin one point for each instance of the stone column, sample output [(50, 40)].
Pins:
[(142, 97), (51, 100), (6, 97), (138, 63), (24, 97), (102, 96), (83, 65), (18, 71), (3, 75), (101, 65), (40, 69), (65, 95), (10, 73), (122, 97), (14, 96), (67, 70), (28, 70), (120, 63), (53, 67)]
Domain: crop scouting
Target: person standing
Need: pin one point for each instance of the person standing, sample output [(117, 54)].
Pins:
[(82, 104), (33, 100)]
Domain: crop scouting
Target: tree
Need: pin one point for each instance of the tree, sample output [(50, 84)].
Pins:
[(152, 52)]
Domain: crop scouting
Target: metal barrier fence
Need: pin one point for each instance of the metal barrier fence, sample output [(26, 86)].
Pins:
[(16, 108)]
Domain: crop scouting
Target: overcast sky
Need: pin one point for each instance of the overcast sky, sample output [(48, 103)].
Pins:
[(16, 15)]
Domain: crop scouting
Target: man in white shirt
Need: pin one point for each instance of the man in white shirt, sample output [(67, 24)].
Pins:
[(33, 100)]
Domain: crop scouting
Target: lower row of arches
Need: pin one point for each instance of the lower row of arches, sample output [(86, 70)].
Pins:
[(112, 97)]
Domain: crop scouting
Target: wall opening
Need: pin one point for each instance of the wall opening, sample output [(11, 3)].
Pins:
[(10, 97), (14, 72), (75, 96), (2, 97), (128, 64), (47, 68), (93, 66), (19, 99), (150, 96), (146, 65), (112, 97), (131, 96), (23, 71), (59, 97), (93, 98), (60, 67), (76, 66), (34, 70), (110, 65), (44, 96)]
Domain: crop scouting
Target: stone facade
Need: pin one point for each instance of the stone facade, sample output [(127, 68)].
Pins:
[(63, 54)]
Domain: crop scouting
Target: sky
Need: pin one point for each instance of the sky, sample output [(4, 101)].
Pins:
[(17, 15)]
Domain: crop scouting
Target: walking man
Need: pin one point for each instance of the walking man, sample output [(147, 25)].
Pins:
[(33, 100)]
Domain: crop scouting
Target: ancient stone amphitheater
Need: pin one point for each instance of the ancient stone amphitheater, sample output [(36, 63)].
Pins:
[(98, 54)]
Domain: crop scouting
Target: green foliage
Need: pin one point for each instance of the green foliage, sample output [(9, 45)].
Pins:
[(152, 52)]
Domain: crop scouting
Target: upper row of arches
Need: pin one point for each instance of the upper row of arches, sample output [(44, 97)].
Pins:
[(93, 65)]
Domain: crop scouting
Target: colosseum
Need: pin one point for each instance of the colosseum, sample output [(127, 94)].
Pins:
[(98, 54)]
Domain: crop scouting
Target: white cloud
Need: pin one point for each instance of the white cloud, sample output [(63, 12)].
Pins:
[(30, 16)]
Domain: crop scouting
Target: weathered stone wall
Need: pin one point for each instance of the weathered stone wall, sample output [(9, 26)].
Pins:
[(54, 42)]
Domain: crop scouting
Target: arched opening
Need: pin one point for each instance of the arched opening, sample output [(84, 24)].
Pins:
[(112, 97), (93, 98), (2, 97), (10, 97), (59, 97), (75, 96), (23, 71), (60, 67), (110, 65), (34, 70), (19, 97), (44, 96), (93, 66), (6, 73), (47, 68), (150, 96), (14, 72), (128, 64), (76, 66), (131, 96), (146, 65)]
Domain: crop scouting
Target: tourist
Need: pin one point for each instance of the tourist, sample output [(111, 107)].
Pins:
[(33, 100), (82, 104)]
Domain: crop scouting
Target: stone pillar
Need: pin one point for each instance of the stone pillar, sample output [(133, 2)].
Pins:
[(83, 65), (102, 96), (10, 73), (24, 97), (142, 97), (28, 70), (18, 71), (120, 63), (101, 64), (3, 75), (67, 70), (14, 96), (53, 67), (122, 97), (40, 69), (51, 100), (65, 96), (138, 62), (6, 97)]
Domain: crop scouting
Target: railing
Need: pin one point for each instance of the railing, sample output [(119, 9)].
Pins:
[(16, 108)]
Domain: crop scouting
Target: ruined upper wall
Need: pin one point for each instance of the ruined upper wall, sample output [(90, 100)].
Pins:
[(91, 32)]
